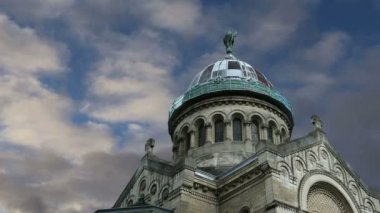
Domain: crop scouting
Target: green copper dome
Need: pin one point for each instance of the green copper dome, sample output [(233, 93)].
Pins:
[(231, 75), (226, 75)]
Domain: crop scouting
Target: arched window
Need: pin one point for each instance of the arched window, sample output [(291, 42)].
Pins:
[(165, 194), (255, 131), (271, 130), (153, 189), (219, 130), (282, 135), (237, 129), (175, 148), (142, 186), (245, 209), (187, 140), (324, 197), (186, 137), (201, 134), (270, 133)]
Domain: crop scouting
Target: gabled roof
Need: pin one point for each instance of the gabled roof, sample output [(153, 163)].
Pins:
[(152, 163)]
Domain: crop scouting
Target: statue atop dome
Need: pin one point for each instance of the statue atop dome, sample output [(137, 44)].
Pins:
[(228, 41)]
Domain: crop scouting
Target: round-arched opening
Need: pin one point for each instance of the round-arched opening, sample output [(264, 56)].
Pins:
[(185, 134), (201, 132), (130, 202), (245, 209), (153, 189), (255, 128), (325, 198), (142, 186), (271, 131), (218, 128), (165, 194), (283, 135), (237, 127)]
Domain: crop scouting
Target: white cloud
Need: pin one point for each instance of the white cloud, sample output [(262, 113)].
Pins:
[(22, 50), (315, 86), (36, 10), (311, 68), (274, 23), (43, 152), (132, 81), (330, 48), (34, 117), (30, 114), (45, 182), (178, 16)]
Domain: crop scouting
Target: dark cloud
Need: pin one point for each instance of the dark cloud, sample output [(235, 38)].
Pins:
[(44, 182), (352, 115), (329, 73), (347, 100)]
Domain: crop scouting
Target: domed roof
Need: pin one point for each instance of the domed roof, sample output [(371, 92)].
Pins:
[(233, 76), (229, 74), (229, 68)]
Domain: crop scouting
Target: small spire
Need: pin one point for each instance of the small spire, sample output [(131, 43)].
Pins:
[(316, 121), (228, 41), (149, 145)]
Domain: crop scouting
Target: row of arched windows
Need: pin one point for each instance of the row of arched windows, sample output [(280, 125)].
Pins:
[(237, 130), (217, 132)]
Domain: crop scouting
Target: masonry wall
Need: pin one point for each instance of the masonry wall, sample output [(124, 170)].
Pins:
[(255, 197)]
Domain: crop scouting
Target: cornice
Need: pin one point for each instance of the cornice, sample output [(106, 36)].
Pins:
[(227, 100)]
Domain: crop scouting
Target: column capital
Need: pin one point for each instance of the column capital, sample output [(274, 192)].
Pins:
[(247, 123), (227, 122)]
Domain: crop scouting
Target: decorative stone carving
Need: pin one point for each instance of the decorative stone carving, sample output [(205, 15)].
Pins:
[(165, 194), (142, 186), (130, 202), (149, 145), (298, 166), (325, 198), (317, 123), (339, 173), (284, 172), (324, 155), (153, 189)]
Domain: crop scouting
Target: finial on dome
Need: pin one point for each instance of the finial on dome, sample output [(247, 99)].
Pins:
[(228, 41)]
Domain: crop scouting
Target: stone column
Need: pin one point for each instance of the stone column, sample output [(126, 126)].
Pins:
[(209, 133), (264, 132), (192, 138), (248, 134), (276, 137), (182, 148), (228, 131)]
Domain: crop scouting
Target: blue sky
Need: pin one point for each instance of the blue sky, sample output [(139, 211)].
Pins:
[(83, 84)]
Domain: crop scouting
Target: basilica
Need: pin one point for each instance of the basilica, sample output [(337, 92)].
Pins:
[(233, 153)]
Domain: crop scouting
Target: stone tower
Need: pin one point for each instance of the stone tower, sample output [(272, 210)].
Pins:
[(233, 153)]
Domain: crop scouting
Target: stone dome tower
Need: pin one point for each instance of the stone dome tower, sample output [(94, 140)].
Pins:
[(232, 152), (228, 109)]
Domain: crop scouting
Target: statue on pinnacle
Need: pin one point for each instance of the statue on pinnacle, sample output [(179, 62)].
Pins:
[(228, 41)]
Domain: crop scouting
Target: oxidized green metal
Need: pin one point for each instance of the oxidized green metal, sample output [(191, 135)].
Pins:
[(224, 84), (229, 41)]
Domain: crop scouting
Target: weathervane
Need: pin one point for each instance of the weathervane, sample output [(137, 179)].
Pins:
[(228, 41)]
